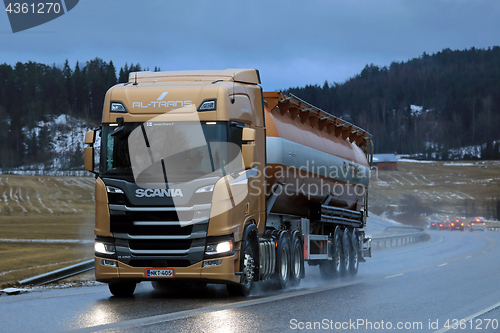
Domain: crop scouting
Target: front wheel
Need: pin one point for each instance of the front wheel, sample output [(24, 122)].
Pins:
[(247, 267), (122, 289)]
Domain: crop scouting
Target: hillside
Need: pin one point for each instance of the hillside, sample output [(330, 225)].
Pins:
[(431, 105), (422, 191), (45, 223)]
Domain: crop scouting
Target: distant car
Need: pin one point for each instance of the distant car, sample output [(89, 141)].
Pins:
[(477, 225), (444, 225), (457, 225), (434, 226)]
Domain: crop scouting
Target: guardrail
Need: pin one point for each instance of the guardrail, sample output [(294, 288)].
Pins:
[(60, 274), (418, 235)]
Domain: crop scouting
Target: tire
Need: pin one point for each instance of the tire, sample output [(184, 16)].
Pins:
[(122, 289), (247, 266), (346, 252), (283, 258), (297, 260), (331, 269), (354, 261)]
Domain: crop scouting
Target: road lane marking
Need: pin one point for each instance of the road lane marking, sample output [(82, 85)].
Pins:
[(164, 318), (443, 264), (391, 276), (475, 315), (468, 257)]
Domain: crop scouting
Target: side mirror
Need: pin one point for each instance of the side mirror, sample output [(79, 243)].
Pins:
[(248, 134), (88, 152), (248, 153), (90, 138), (88, 158), (248, 147)]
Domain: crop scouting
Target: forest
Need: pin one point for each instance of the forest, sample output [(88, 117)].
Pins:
[(32, 93), (428, 107)]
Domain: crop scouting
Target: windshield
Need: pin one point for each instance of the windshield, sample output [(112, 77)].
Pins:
[(170, 149)]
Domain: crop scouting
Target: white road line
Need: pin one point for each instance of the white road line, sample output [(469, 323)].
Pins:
[(468, 257), (165, 318), (158, 319), (443, 264), (477, 314), (391, 276)]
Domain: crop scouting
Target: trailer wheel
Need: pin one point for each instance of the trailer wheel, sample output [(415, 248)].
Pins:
[(247, 267), (331, 269), (354, 262), (282, 278), (297, 260), (346, 252), (122, 289)]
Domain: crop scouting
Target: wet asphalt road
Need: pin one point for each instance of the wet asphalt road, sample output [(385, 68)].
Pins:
[(453, 276)]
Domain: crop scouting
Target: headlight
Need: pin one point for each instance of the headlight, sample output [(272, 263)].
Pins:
[(205, 189), (105, 248), (112, 189), (219, 248)]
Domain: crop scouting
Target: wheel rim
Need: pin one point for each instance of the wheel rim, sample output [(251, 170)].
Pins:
[(284, 265), (296, 263), (248, 268)]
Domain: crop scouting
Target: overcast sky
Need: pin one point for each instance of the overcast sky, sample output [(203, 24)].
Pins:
[(292, 43)]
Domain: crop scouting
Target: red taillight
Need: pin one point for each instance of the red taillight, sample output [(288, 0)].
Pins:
[(440, 225), (462, 224), (453, 224)]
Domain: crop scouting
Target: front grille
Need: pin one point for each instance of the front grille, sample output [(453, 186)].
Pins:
[(159, 244), (159, 263), (158, 230), (124, 222), (151, 236)]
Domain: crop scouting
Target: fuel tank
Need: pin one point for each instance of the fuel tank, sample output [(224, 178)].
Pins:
[(313, 157)]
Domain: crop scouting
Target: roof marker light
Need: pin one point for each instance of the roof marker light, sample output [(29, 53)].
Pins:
[(117, 107), (208, 105)]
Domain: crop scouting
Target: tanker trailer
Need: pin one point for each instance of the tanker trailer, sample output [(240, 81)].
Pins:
[(203, 178)]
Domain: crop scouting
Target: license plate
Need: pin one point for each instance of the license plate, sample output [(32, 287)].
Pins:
[(159, 272)]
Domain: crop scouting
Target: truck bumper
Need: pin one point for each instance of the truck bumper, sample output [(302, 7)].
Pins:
[(224, 272)]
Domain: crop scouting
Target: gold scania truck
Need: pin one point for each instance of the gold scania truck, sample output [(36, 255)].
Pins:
[(203, 178)]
